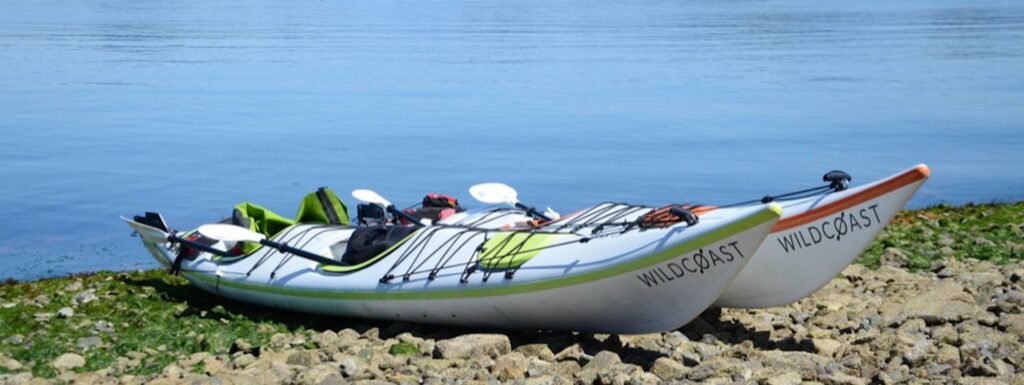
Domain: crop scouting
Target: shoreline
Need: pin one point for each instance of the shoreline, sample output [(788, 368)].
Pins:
[(927, 301)]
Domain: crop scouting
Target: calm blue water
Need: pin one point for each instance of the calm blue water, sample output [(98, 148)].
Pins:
[(187, 107)]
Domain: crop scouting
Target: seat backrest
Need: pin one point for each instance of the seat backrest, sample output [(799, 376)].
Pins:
[(322, 206), (369, 241)]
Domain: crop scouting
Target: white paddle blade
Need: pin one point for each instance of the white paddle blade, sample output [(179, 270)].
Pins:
[(147, 232), (494, 193), (230, 233), (370, 196)]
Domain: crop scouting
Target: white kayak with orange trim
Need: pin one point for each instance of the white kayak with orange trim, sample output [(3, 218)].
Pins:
[(607, 274), (817, 238)]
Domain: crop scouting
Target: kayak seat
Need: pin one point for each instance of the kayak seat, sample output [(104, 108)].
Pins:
[(370, 241), (319, 207), (322, 206), (259, 219), (368, 245)]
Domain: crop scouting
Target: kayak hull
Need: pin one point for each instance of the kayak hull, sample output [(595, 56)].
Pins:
[(637, 282), (816, 238)]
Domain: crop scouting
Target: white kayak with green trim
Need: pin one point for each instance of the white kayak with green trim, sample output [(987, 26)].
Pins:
[(604, 275)]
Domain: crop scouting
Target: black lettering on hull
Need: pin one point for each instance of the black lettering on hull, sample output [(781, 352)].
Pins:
[(830, 229), (696, 263)]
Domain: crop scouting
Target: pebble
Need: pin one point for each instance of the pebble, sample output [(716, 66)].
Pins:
[(11, 364), (103, 326), (16, 339), (68, 361), (826, 346), (668, 369), (66, 312), (88, 342), (472, 345), (85, 297)]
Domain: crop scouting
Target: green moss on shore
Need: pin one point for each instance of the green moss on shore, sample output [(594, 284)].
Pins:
[(992, 232), (157, 316), (149, 319)]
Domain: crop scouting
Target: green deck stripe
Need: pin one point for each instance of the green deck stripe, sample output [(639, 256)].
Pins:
[(770, 212)]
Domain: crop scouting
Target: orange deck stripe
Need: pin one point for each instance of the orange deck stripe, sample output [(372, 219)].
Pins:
[(911, 176)]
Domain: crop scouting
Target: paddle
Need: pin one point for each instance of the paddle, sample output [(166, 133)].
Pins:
[(370, 196), (156, 235), (226, 232), (495, 193)]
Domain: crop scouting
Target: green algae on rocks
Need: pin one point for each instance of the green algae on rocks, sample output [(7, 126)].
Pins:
[(150, 318), (990, 232)]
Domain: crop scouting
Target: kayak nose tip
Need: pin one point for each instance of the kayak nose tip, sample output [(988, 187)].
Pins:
[(775, 208), (923, 170)]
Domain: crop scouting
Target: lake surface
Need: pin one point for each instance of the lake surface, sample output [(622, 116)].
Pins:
[(112, 108)]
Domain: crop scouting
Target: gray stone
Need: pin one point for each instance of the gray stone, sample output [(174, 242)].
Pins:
[(572, 352), (894, 257), (788, 378), (66, 312), (279, 341), (986, 366), (945, 333), (643, 379), (948, 355), (73, 286), (472, 345), (241, 345), (613, 372), (11, 364), (603, 359), (326, 339), (1012, 323), (567, 369), (942, 303), (842, 379), (297, 340), (826, 346), (333, 379), (306, 358), (805, 364), (539, 367), (540, 351), (915, 352), (316, 375), (668, 369), (510, 366), (243, 361), (88, 342), (350, 366), (85, 297), (68, 361), (675, 338), (103, 326), (938, 369)]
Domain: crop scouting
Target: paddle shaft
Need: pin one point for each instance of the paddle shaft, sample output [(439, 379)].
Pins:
[(298, 252), (532, 212), (279, 246), (406, 216), (196, 245)]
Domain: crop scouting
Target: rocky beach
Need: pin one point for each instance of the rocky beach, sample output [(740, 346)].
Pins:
[(936, 299)]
